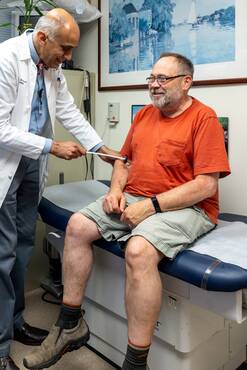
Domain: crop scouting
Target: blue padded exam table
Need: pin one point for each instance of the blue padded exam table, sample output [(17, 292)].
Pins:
[(202, 323)]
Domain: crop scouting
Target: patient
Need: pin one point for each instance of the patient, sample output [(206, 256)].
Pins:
[(159, 204)]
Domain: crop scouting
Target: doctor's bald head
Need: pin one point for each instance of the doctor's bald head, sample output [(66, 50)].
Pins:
[(55, 36)]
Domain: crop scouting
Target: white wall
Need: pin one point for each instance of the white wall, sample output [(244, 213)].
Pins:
[(227, 100)]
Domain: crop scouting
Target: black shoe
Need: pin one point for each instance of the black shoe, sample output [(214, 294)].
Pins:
[(30, 335), (6, 363)]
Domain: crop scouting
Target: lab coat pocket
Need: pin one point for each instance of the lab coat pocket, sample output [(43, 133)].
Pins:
[(171, 153)]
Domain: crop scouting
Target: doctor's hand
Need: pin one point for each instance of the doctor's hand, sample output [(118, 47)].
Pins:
[(137, 212), (67, 149), (114, 202), (105, 150)]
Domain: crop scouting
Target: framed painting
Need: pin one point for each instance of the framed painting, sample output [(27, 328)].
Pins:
[(133, 34), (134, 109), (224, 121)]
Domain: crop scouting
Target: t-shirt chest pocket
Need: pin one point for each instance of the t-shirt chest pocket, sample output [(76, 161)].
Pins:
[(171, 153)]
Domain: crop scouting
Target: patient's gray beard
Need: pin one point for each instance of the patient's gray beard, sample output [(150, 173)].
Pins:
[(162, 102), (168, 101)]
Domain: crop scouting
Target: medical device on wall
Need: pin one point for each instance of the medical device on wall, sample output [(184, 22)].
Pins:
[(78, 85)]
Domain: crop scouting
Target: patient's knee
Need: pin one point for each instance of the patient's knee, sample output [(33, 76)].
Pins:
[(140, 254), (79, 226)]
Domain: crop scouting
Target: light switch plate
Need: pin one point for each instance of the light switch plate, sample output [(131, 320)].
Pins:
[(113, 112)]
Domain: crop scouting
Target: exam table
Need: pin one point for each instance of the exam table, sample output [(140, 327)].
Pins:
[(202, 323)]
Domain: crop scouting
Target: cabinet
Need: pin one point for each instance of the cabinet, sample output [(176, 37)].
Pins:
[(73, 170)]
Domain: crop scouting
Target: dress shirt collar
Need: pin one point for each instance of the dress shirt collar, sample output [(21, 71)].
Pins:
[(33, 52)]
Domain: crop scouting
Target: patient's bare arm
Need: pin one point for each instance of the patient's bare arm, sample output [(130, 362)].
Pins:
[(105, 150)]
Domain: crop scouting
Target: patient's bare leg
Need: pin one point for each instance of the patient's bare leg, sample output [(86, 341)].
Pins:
[(78, 257), (143, 290)]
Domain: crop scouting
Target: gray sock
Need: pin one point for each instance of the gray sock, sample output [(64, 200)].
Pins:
[(68, 317), (136, 358)]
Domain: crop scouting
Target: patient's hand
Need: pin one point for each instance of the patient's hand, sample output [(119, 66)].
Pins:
[(114, 202), (137, 212)]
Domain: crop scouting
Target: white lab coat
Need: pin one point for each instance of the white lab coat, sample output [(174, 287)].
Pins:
[(17, 81)]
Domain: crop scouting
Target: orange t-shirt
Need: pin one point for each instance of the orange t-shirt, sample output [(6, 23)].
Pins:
[(167, 152)]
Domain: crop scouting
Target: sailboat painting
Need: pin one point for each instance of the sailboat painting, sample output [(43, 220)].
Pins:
[(192, 19), (140, 30)]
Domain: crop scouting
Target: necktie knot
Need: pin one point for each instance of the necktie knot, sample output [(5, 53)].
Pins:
[(41, 65)]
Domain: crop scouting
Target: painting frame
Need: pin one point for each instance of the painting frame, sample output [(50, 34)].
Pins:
[(224, 121), (135, 109), (230, 73)]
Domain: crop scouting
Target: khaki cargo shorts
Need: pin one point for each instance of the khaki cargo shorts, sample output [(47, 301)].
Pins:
[(169, 232)]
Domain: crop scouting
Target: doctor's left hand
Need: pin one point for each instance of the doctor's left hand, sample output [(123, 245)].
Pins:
[(67, 149)]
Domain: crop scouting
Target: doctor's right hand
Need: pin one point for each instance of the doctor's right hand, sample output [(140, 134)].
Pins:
[(67, 149)]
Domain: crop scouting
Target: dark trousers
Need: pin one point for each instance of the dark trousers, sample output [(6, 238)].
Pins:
[(18, 216)]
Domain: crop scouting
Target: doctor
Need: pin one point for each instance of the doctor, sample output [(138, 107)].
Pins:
[(33, 92)]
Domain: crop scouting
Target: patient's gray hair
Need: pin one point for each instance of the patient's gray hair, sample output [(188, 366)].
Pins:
[(186, 66), (50, 25)]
